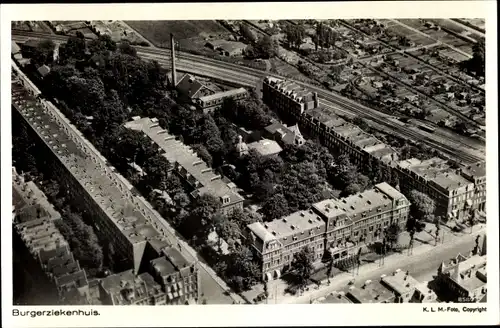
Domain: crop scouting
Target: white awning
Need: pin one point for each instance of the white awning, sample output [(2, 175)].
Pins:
[(269, 276), (277, 273)]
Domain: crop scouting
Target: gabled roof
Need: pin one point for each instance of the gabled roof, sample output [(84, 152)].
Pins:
[(43, 70), (189, 86), (15, 48)]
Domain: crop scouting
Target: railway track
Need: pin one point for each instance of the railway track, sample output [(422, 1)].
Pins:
[(252, 77)]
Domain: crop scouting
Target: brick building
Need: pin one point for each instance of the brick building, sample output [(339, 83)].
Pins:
[(338, 226)]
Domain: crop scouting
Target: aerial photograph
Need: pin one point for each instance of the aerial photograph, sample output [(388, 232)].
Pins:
[(193, 162)]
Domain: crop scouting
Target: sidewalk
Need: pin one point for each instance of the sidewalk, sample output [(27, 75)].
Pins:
[(391, 263)]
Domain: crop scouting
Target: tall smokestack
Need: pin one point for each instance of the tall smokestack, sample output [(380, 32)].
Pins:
[(172, 46), (316, 100)]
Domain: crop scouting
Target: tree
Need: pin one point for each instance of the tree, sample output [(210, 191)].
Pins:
[(302, 266), (266, 47), (422, 206), (203, 153), (392, 234), (476, 64), (275, 207), (329, 269), (438, 228), (73, 49), (157, 168), (126, 49), (226, 229), (243, 218), (43, 53), (266, 292), (361, 123), (242, 270), (294, 35), (247, 33)]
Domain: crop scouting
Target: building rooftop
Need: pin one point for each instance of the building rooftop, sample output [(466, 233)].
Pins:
[(288, 134), (77, 278), (125, 288), (228, 46), (291, 89), (30, 202), (15, 49), (329, 208), (261, 232), (373, 292), (115, 203), (477, 170), (223, 94), (295, 223), (46, 255), (176, 152), (333, 298), (450, 181), (368, 202), (427, 169), (189, 86), (400, 282), (265, 147)]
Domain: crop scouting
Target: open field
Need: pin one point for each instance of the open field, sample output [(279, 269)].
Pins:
[(426, 26), (186, 32)]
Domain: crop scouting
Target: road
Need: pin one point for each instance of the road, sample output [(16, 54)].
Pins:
[(422, 265), (252, 77)]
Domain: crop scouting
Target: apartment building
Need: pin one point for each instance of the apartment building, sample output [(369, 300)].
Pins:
[(127, 288), (451, 191), (288, 98), (188, 165), (177, 277), (477, 174), (301, 106), (338, 226), (463, 279), (126, 219)]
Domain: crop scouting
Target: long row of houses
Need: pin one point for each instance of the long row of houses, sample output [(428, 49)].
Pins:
[(336, 226), (142, 239), (34, 220), (456, 191)]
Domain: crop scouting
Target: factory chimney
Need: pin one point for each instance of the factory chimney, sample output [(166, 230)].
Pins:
[(172, 46), (316, 100)]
